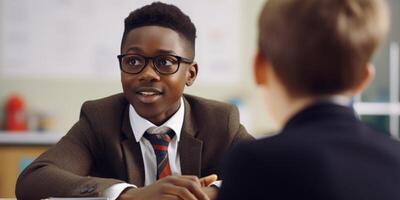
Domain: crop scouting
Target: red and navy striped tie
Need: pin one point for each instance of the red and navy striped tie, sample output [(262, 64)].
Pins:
[(160, 141)]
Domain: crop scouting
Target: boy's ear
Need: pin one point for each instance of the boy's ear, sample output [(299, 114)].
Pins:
[(260, 69), (368, 76), (191, 74)]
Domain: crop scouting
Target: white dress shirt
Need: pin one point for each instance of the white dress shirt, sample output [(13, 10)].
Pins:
[(139, 126)]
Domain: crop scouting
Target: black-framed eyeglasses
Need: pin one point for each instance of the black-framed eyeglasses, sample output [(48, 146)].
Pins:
[(164, 64)]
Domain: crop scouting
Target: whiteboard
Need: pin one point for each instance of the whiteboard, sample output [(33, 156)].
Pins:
[(74, 38)]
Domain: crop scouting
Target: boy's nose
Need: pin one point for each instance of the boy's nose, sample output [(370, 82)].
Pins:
[(149, 73)]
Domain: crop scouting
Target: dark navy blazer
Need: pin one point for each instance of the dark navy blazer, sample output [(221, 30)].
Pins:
[(323, 153)]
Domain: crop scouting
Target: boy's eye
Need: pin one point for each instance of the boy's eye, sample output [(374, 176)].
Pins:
[(165, 61), (134, 61)]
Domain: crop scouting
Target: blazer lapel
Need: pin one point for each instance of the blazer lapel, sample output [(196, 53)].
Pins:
[(132, 153), (189, 147)]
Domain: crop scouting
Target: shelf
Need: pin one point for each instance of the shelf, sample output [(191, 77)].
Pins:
[(29, 138)]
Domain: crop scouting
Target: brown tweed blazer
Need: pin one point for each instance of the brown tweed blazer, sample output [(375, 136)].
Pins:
[(100, 149)]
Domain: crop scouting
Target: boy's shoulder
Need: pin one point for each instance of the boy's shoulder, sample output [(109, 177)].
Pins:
[(112, 99), (212, 117), (203, 104), (113, 103)]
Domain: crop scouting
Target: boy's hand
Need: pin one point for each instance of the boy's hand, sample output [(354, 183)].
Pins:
[(207, 180), (168, 188), (211, 192)]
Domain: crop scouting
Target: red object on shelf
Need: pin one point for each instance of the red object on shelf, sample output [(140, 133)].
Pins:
[(15, 119)]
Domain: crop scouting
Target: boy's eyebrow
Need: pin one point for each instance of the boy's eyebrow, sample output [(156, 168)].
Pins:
[(162, 51), (159, 51)]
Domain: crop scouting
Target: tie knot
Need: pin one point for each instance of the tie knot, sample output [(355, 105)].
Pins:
[(159, 135)]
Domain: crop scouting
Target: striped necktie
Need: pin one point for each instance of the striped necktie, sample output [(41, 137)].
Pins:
[(159, 139)]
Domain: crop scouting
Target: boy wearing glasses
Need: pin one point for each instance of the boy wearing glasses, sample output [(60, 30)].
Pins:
[(313, 57), (128, 145)]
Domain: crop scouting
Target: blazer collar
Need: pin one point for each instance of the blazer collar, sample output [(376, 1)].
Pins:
[(190, 148), (132, 152), (126, 126), (321, 111)]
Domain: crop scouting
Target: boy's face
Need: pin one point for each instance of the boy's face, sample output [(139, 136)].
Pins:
[(155, 96)]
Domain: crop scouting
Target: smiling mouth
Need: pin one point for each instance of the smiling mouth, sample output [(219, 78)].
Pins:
[(148, 94)]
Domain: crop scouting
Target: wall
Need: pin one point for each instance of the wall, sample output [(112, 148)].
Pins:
[(61, 98)]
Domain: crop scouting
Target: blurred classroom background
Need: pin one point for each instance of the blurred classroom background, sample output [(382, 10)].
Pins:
[(56, 54)]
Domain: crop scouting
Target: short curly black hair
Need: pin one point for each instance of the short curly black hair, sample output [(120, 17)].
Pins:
[(161, 14)]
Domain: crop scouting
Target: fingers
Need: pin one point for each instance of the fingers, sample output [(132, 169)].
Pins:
[(211, 192), (189, 184), (207, 180), (195, 179), (181, 192), (170, 197)]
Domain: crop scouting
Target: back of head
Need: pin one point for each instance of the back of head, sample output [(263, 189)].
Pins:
[(161, 14), (320, 47)]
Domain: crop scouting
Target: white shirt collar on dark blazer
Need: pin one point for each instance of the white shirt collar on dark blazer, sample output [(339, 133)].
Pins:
[(140, 125)]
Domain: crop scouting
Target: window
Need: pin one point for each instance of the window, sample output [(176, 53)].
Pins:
[(379, 105)]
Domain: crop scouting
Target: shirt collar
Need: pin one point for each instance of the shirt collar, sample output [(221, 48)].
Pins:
[(339, 100), (140, 125)]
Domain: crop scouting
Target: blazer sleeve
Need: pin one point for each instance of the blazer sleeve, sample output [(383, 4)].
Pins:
[(64, 170)]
